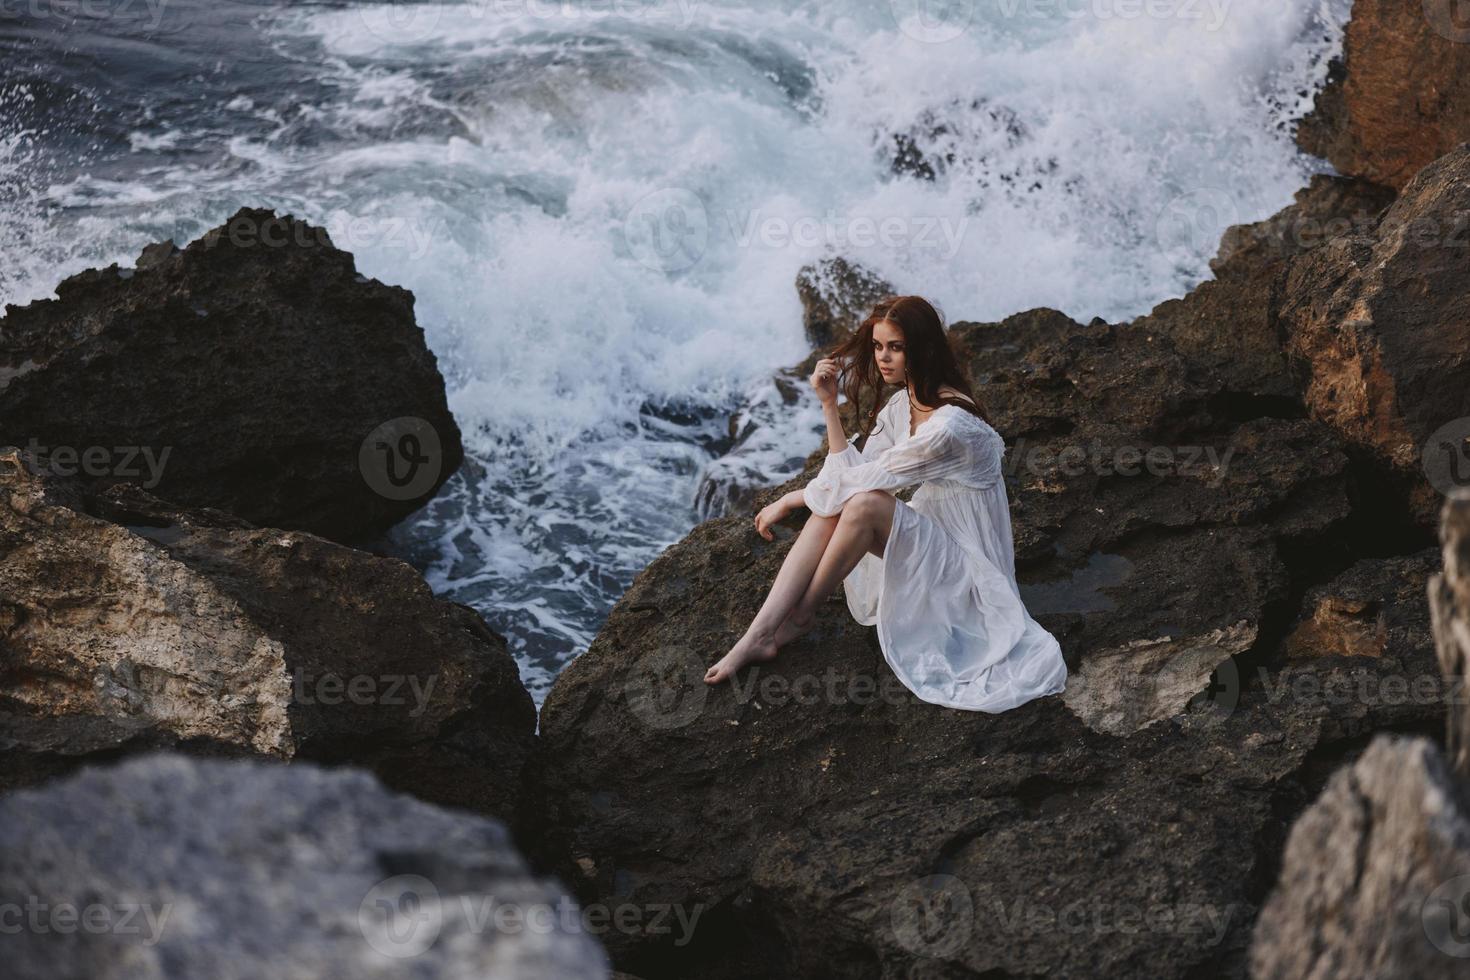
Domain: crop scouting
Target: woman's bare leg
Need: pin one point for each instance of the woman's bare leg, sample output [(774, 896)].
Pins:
[(823, 555), (868, 520), (796, 571)]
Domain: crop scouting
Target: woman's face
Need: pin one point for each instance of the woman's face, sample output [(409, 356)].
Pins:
[(888, 350)]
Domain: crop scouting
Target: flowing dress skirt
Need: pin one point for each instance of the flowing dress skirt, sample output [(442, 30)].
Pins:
[(949, 614)]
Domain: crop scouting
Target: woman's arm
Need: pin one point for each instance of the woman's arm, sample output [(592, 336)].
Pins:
[(836, 437), (935, 453)]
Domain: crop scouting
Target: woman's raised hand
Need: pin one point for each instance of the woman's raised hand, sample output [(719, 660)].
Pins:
[(824, 379)]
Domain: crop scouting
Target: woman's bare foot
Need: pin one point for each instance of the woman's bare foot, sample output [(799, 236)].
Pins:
[(747, 650), (792, 627)]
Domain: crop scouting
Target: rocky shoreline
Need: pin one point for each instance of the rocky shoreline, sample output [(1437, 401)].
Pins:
[(1231, 512)]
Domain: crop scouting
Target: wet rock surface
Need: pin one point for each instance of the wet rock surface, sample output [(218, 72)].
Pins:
[(254, 371), (835, 296)]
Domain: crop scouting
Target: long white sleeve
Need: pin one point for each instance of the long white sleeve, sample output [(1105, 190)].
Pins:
[(935, 453), (881, 438)]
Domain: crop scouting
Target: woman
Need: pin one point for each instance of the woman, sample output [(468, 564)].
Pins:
[(936, 576)]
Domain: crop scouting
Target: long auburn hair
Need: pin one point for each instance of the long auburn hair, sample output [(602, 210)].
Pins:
[(929, 358)]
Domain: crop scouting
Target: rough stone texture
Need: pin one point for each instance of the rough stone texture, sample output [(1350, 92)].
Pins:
[(256, 358), (1400, 95), (1327, 208), (1378, 328), (1449, 611), (835, 297), (1372, 609), (1368, 879), (191, 868), (1375, 880), (817, 809), (1227, 328), (1146, 681), (128, 624)]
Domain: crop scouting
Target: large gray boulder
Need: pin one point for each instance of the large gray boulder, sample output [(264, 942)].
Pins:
[(1376, 876), (169, 868)]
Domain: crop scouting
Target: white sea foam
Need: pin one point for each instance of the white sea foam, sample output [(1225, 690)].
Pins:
[(601, 216)]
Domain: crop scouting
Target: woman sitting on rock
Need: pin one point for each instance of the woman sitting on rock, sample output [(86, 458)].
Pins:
[(937, 575)]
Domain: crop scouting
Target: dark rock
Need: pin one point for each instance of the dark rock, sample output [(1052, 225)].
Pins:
[(1375, 881), (974, 137), (817, 808), (1377, 327), (1400, 95), (169, 868), (835, 297), (127, 624), (252, 372), (1376, 608), (1326, 208), (1228, 327)]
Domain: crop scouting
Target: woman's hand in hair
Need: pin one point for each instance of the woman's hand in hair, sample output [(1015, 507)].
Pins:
[(824, 380)]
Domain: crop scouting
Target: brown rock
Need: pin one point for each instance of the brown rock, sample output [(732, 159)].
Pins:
[(1372, 609), (1400, 97), (1327, 208), (1378, 328)]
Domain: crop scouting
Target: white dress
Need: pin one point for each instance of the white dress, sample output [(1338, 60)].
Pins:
[(944, 597)]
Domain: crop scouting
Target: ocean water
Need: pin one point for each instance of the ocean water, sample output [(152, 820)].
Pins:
[(601, 207)]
